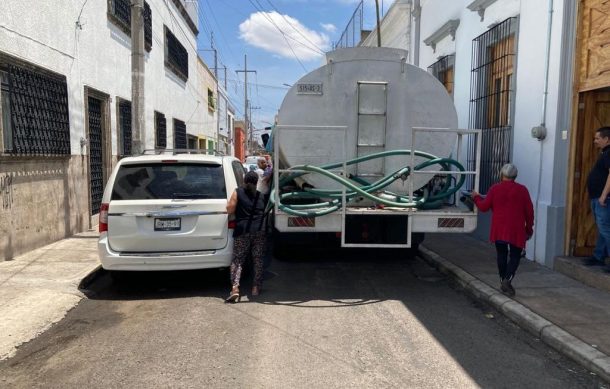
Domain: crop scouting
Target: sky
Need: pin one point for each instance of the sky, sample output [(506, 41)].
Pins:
[(283, 41)]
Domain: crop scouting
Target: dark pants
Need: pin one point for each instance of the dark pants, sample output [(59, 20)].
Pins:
[(508, 260)]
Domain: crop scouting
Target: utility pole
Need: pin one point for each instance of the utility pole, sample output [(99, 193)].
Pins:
[(252, 125), (246, 122), (138, 135), (215, 55)]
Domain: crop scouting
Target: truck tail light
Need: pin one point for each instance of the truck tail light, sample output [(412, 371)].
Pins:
[(103, 226)]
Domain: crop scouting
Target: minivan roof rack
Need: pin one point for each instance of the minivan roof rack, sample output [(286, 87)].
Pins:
[(182, 151)]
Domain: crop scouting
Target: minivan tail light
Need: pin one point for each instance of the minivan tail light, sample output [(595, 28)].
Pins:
[(103, 226), (232, 224)]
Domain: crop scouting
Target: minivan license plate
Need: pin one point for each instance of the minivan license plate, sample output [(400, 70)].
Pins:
[(167, 224)]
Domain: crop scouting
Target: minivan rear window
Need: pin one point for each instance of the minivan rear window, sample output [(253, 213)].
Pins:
[(169, 181)]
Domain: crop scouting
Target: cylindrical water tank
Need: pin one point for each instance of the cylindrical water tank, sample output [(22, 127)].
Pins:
[(379, 98)]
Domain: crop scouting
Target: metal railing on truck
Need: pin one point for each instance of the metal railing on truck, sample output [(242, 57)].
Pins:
[(324, 216)]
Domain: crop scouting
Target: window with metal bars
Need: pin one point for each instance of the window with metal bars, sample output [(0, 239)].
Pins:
[(192, 142), (34, 105), (125, 127), (211, 100), (160, 131), (491, 98), (119, 12), (176, 56), (443, 71), (180, 134)]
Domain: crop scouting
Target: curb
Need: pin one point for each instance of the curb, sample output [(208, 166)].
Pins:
[(90, 278), (565, 343)]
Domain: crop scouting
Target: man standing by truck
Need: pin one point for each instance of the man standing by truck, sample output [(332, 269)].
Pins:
[(598, 186), (264, 178)]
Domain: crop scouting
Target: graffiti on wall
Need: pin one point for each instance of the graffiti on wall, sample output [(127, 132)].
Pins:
[(6, 191)]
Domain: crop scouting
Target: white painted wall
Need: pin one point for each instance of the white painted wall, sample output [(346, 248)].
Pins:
[(231, 127), (537, 160), (223, 112), (98, 55), (395, 27), (543, 164)]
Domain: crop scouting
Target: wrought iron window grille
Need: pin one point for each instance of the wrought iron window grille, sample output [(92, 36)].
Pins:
[(492, 99), (125, 128), (119, 12), (35, 110), (211, 100), (442, 70), (160, 131), (180, 141), (96, 152), (176, 56)]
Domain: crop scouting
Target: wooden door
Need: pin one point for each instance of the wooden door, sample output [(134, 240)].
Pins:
[(499, 83), (594, 44), (593, 113)]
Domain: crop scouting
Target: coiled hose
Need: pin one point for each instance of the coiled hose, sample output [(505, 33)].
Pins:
[(356, 186)]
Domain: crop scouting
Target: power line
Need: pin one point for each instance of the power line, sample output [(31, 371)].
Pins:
[(294, 28), (279, 29), (222, 36), (261, 85)]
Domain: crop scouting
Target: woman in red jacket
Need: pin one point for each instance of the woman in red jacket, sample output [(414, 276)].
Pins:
[(512, 222)]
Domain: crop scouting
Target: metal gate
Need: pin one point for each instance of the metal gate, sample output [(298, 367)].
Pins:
[(491, 98), (96, 159), (125, 126)]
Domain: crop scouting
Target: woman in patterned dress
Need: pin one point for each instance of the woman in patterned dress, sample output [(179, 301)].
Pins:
[(249, 234)]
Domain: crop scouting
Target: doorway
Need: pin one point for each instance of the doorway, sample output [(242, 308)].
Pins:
[(593, 113), (97, 120)]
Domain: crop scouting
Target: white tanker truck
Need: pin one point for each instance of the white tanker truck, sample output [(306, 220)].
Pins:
[(366, 147)]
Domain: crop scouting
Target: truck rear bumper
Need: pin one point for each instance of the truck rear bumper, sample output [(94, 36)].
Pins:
[(448, 219)]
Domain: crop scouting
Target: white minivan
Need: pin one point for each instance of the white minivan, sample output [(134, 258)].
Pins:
[(168, 212)]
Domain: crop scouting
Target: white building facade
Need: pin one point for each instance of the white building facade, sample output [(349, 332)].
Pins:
[(224, 122), (509, 66), (66, 110), (534, 76)]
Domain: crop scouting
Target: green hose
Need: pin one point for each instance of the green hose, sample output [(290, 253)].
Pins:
[(356, 186)]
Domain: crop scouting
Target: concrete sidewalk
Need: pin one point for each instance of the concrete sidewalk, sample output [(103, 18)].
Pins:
[(567, 315), (38, 288)]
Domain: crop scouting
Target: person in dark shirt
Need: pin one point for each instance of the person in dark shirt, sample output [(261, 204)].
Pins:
[(249, 234), (598, 187)]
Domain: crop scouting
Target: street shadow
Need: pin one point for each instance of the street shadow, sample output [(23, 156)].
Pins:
[(477, 338)]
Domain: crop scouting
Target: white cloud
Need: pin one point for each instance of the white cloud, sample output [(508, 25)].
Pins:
[(329, 27), (259, 31)]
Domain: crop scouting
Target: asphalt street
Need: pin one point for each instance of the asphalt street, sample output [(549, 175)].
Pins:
[(340, 321)]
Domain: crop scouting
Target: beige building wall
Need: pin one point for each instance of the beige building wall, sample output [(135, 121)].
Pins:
[(208, 111), (41, 203)]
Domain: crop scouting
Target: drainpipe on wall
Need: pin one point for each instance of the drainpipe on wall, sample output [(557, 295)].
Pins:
[(417, 16), (539, 132)]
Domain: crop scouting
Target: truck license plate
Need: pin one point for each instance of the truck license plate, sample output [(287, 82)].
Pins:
[(167, 224)]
